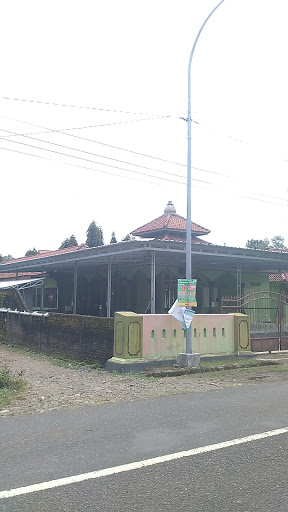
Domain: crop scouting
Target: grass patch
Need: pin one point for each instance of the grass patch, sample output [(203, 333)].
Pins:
[(58, 360), (11, 387), (212, 367), (232, 362)]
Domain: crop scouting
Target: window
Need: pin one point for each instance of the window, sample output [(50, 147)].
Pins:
[(37, 297), (50, 298)]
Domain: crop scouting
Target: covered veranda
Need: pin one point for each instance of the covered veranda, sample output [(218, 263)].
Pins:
[(141, 275)]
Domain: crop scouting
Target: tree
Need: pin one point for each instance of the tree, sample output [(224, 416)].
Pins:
[(31, 252), (69, 242), (5, 258), (127, 238), (258, 244), (278, 242), (113, 238), (94, 235)]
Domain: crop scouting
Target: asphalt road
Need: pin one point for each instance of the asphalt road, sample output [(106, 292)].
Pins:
[(250, 476)]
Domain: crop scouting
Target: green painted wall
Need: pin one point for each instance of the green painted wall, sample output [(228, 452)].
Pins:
[(131, 288)]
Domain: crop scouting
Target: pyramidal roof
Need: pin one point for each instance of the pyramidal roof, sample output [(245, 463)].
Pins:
[(169, 226)]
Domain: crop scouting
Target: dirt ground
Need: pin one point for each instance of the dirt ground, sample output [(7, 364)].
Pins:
[(54, 387)]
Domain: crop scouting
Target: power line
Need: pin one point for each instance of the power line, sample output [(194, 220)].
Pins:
[(125, 170), (50, 103), (84, 151), (103, 144), (129, 177), (98, 163), (80, 166), (212, 129), (100, 125)]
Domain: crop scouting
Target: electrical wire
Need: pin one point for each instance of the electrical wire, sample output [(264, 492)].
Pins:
[(125, 170), (85, 152), (81, 166), (53, 104), (102, 143), (203, 125), (103, 124), (92, 161), (132, 178)]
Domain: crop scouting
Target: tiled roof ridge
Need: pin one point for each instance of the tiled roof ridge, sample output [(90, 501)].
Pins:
[(277, 278), (163, 221), (168, 218), (273, 249), (13, 275), (48, 253), (155, 220)]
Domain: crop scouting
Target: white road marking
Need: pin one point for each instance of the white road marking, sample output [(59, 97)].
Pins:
[(137, 465)]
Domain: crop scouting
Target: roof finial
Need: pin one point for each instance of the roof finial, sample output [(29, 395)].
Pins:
[(170, 208)]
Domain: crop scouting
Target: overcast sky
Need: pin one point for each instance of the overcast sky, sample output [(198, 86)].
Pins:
[(127, 61)]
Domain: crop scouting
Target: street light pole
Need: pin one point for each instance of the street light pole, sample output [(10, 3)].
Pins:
[(188, 223)]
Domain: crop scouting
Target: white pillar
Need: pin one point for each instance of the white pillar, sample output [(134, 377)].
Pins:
[(153, 279), (75, 284), (109, 278)]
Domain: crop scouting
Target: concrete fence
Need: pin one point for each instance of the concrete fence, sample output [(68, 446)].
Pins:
[(136, 337), (83, 338), (160, 338)]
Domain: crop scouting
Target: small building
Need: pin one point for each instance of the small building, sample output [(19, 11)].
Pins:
[(141, 274)]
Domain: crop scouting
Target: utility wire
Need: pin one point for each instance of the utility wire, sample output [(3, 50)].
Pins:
[(88, 153), (26, 134), (102, 124), (79, 106), (212, 129), (116, 167), (126, 170), (82, 167), (100, 163), (5, 137), (130, 177), (92, 161)]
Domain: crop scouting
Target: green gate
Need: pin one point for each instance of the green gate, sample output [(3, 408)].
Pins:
[(268, 312)]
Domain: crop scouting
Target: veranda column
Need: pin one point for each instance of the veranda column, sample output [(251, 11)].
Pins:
[(109, 278), (239, 279), (75, 285), (153, 278)]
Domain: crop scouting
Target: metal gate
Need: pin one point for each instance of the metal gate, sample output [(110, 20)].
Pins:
[(268, 312)]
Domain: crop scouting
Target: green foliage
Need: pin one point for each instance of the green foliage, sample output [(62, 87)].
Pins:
[(10, 387), (113, 238), (258, 244), (5, 258), (94, 235), (69, 242), (278, 242), (127, 238), (31, 252)]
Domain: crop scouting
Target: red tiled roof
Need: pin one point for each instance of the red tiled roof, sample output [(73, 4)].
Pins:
[(278, 278), (50, 253), (14, 275), (168, 221)]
